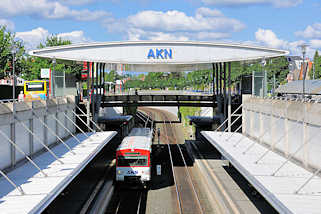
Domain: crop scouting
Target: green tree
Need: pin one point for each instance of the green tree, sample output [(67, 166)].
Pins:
[(317, 66), (54, 40), (34, 64), (7, 40), (111, 76)]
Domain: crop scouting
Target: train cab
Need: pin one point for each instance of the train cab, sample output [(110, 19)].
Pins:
[(133, 158)]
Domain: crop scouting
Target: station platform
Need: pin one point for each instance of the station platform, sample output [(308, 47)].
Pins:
[(39, 190), (281, 187)]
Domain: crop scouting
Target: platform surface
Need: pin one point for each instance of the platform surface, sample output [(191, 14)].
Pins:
[(279, 189), (40, 190)]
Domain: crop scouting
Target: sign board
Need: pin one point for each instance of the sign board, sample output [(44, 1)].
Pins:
[(158, 169), (45, 73)]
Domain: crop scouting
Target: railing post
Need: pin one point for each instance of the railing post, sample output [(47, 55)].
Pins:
[(31, 146), (56, 124), (13, 139), (305, 136), (286, 129), (45, 133), (272, 127), (261, 126)]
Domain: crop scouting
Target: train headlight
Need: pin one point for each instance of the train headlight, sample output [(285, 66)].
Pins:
[(119, 172)]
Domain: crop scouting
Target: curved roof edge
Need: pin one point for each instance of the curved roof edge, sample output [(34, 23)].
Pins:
[(113, 52)]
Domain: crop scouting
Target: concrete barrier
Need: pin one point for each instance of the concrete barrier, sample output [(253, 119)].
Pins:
[(33, 115), (290, 127)]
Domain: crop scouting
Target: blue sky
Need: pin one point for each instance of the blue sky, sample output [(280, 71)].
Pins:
[(283, 24)]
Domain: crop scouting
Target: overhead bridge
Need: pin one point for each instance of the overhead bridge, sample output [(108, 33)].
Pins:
[(159, 100)]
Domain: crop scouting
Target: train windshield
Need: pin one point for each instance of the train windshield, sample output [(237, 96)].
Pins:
[(132, 161), (35, 86)]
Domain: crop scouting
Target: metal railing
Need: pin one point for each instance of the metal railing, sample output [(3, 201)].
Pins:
[(39, 140)]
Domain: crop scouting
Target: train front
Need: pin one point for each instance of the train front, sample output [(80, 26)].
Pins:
[(133, 166)]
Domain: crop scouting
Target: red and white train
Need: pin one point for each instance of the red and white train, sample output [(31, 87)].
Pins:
[(133, 157)]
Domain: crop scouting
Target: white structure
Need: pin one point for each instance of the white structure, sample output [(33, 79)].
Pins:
[(149, 56), (40, 154), (278, 151), (35, 117)]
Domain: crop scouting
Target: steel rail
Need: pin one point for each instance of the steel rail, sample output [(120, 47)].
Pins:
[(190, 178), (173, 171), (186, 170), (217, 181)]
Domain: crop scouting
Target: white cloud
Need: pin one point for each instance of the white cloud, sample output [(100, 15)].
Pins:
[(47, 9), (74, 36), (315, 43), (34, 37), (312, 32), (269, 38), (9, 24), (39, 35), (76, 2), (275, 3), (176, 25), (81, 2)]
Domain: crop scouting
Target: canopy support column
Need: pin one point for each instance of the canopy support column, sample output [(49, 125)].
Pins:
[(217, 78), (224, 90), (229, 110)]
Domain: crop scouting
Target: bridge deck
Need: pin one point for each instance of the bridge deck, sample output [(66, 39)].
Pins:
[(280, 189), (40, 190)]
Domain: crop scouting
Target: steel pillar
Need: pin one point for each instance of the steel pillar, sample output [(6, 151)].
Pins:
[(229, 110), (224, 91), (217, 79)]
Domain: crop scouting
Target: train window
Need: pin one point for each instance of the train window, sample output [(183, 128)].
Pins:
[(132, 153), (35, 86), (132, 161)]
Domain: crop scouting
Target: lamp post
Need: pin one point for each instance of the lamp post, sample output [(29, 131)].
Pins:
[(13, 51), (53, 78), (303, 49), (264, 85)]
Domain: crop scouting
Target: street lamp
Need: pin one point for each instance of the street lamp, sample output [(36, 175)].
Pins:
[(303, 49), (264, 83), (52, 77), (14, 52)]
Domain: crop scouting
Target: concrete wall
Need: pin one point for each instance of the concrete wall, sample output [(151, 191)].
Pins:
[(28, 113), (291, 127)]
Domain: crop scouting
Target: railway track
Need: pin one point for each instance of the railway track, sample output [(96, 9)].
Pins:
[(187, 198), (127, 201)]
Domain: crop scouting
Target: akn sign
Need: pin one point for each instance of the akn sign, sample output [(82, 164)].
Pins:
[(160, 53)]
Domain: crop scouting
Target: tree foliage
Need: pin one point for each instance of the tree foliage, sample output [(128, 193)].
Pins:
[(34, 64), (200, 80), (7, 41), (317, 66)]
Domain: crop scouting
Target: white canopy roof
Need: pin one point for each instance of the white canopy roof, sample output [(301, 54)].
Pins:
[(148, 56)]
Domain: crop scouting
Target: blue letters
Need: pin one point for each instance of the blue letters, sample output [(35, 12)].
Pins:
[(169, 54), (160, 54), (151, 54)]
